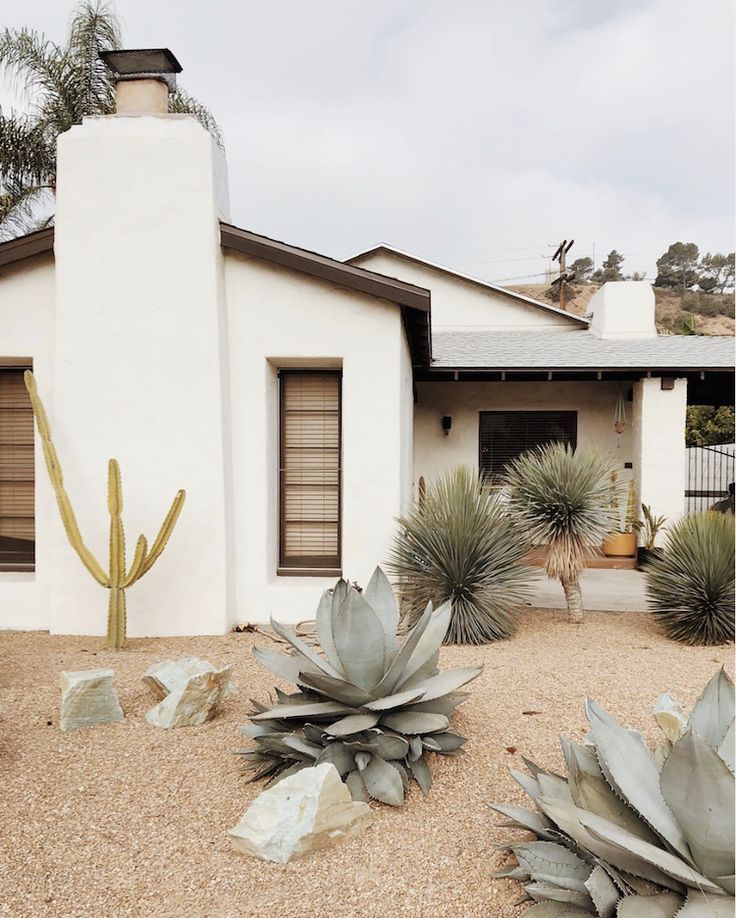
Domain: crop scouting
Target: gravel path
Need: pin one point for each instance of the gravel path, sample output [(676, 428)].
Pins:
[(128, 819)]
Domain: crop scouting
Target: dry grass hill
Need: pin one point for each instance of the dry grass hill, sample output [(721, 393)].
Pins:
[(713, 315)]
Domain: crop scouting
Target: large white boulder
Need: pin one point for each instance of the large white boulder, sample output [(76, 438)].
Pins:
[(191, 690), (88, 697), (305, 812)]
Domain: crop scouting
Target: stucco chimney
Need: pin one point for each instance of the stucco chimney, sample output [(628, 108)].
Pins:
[(140, 363), (623, 309), (144, 77)]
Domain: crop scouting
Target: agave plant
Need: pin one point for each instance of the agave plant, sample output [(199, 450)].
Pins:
[(560, 498), (372, 705), (459, 544), (690, 586), (630, 833)]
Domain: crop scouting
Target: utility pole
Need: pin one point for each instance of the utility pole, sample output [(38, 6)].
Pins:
[(560, 255)]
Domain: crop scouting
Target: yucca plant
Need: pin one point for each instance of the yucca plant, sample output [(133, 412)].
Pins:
[(630, 833), (560, 498), (458, 544), (370, 704), (690, 587)]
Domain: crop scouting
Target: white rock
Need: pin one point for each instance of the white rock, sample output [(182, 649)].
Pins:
[(192, 690), (163, 678), (88, 697), (670, 717), (305, 812)]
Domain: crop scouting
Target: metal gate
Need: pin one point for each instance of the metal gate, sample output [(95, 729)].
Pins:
[(710, 471)]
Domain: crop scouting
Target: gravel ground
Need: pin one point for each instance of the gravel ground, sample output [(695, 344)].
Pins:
[(128, 819)]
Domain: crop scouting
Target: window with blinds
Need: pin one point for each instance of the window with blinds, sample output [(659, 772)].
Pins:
[(504, 435), (17, 531), (310, 479)]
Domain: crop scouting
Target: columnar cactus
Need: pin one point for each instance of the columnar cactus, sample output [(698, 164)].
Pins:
[(119, 577)]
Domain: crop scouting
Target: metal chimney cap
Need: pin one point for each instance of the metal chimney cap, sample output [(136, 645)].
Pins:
[(141, 62)]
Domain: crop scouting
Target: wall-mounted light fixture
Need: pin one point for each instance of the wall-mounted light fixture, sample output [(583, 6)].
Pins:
[(668, 382), (446, 424)]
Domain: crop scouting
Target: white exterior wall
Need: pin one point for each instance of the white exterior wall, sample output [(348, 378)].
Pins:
[(659, 446), (458, 303), (137, 367), (27, 330), (436, 453), (280, 318)]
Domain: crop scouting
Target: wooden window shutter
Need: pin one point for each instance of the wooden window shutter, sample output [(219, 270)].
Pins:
[(504, 435), (17, 525), (310, 474)]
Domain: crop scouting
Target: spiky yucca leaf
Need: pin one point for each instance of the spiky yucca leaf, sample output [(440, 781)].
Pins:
[(625, 836), (690, 587), (560, 497), (372, 706), (457, 543)]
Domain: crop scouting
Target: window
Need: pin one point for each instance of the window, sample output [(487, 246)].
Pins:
[(310, 480), (17, 535), (504, 435)]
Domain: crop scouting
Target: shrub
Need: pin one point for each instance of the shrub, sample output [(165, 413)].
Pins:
[(691, 586), (458, 544), (371, 705), (628, 832), (560, 498)]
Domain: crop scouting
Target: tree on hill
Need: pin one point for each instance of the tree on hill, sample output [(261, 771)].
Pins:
[(611, 269), (582, 268), (717, 271), (678, 267), (63, 83)]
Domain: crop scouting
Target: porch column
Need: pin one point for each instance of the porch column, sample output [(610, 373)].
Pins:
[(659, 445)]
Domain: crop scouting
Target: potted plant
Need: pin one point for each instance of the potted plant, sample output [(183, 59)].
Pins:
[(621, 543), (651, 526)]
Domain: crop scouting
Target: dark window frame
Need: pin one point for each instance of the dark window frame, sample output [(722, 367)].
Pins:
[(26, 561), (492, 475), (309, 566)]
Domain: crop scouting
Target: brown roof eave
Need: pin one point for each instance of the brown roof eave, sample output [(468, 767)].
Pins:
[(414, 301), (321, 266), (26, 246)]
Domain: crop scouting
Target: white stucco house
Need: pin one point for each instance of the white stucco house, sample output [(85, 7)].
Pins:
[(296, 398)]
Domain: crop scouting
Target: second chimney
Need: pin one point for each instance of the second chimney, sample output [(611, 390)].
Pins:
[(143, 79)]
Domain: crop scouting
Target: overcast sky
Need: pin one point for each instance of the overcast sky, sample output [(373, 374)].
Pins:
[(477, 133)]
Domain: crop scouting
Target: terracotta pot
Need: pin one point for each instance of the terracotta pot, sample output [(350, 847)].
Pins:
[(620, 545)]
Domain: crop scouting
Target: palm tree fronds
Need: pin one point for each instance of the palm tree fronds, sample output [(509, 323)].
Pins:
[(181, 103)]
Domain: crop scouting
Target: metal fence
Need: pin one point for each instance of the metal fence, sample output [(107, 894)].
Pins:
[(709, 472)]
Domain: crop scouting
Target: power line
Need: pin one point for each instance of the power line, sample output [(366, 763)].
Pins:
[(525, 248)]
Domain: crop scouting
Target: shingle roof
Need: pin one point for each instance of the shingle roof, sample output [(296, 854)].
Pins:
[(578, 350)]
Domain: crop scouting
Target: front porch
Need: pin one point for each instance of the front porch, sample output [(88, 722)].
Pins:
[(604, 590), (485, 423)]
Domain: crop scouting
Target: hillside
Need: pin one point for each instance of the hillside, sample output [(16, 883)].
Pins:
[(670, 312)]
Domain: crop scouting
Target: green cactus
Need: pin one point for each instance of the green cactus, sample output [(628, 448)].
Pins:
[(119, 577), (372, 705)]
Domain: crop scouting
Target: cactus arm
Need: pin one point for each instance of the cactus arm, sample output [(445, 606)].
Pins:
[(141, 548), (57, 482), (164, 533)]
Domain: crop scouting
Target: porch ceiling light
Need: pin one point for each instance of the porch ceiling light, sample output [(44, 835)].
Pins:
[(143, 63)]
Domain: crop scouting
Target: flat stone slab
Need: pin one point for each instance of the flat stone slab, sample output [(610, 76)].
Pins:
[(88, 697), (191, 690), (303, 813)]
